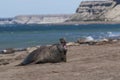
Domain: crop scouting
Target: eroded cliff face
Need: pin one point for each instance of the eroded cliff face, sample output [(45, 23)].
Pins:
[(107, 10), (113, 14), (36, 19), (40, 19)]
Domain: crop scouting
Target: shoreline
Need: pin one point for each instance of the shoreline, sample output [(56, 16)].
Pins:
[(71, 23), (79, 42), (84, 23)]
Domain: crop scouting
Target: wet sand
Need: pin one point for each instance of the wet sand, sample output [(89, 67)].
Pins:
[(84, 62)]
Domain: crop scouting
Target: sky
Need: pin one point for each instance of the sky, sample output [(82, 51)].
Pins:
[(11, 8)]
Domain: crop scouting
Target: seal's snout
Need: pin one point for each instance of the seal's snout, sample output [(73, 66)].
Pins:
[(63, 41)]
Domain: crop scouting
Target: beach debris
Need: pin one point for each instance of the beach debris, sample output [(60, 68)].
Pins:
[(7, 51), (72, 44), (88, 40), (91, 41), (11, 50)]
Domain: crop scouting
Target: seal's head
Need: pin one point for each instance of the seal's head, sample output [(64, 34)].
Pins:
[(63, 42), (62, 47)]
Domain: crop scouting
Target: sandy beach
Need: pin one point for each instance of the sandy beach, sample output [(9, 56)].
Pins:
[(84, 62)]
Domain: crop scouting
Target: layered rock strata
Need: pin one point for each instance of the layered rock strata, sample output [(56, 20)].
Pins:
[(103, 10), (40, 19), (36, 19)]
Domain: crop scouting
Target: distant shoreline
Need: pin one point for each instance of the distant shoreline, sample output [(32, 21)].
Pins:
[(71, 23), (85, 22)]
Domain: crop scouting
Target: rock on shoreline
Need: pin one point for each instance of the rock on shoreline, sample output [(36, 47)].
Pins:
[(80, 41)]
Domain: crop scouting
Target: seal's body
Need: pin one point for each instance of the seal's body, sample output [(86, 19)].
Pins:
[(45, 54)]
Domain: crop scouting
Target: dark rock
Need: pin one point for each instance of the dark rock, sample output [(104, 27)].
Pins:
[(8, 51)]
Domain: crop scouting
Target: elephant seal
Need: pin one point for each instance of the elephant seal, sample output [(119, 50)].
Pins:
[(47, 54)]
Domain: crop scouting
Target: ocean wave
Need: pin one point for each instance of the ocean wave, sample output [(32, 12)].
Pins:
[(111, 34), (89, 38)]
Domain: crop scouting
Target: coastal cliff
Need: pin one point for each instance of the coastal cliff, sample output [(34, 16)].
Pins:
[(35, 19), (107, 10), (40, 19), (95, 11)]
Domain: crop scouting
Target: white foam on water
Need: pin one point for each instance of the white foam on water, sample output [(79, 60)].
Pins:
[(111, 34), (89, 38)]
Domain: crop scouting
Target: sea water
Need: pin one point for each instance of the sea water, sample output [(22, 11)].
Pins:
[(22, 36)]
